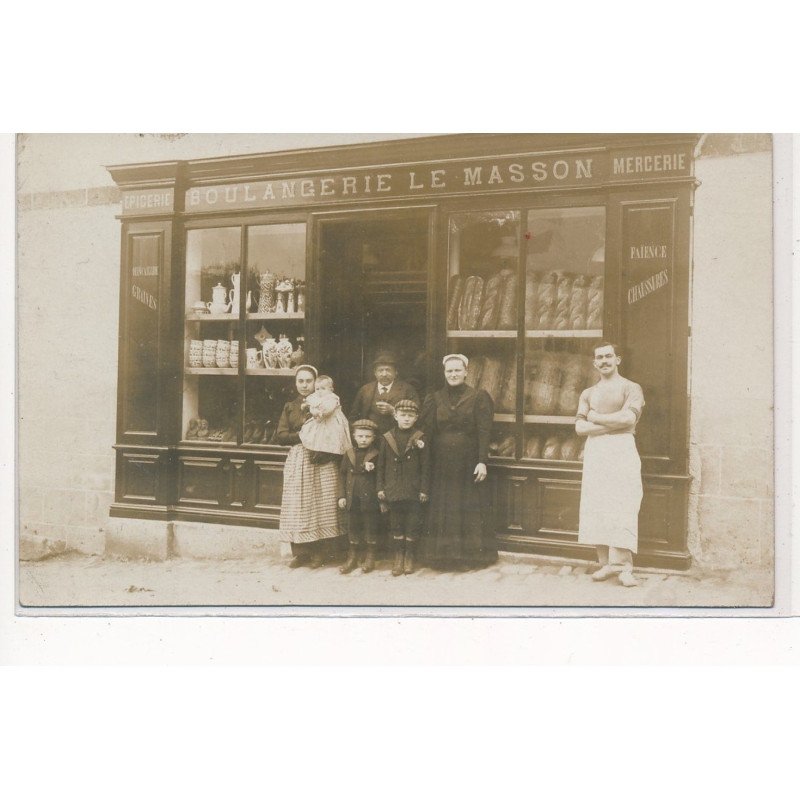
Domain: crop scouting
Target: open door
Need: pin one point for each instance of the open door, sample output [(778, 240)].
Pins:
[(373, 289)]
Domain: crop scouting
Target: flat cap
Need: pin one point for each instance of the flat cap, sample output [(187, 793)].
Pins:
[(364, 423), (406, 405)]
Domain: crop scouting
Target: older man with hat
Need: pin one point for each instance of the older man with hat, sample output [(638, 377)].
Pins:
[(377, 400)]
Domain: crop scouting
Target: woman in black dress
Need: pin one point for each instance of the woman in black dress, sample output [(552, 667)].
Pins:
[(309, 514), (458, 422)]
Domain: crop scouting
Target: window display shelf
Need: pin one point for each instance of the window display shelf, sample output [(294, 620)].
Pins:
[(594, 333), (226, 317), (481, 334), (210, 371), (274, 315), (549, 419), (540, 419), (269, 372)]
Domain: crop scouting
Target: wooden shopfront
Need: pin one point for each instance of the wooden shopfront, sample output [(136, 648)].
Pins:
[(521, 251)]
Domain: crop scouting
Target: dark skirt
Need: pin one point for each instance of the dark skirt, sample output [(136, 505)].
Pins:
[(460, 525)]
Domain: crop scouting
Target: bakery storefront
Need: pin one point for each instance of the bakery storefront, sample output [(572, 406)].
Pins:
[(521, 251)]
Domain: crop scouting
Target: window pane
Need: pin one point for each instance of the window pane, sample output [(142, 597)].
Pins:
[(275, 306), (211, 341)]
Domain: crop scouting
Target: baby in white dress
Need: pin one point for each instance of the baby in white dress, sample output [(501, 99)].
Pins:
[(327, 432)]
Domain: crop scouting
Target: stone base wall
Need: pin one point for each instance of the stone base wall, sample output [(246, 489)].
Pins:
[(731, 516)]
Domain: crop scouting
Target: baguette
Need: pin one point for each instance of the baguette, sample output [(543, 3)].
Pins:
[(594, 305), (533, 447), (474, 371), (491, 302), (491, 377), (507, 447), (578, 304), (552, 448), (508, 304), (508, 396), (456, 289), (561, 314), (570, 448), (470, 307), (545, 302)]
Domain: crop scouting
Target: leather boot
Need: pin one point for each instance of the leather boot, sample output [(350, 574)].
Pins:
[(409, 564), (369, 560), (397, 567), (352, 561), (320, 555)]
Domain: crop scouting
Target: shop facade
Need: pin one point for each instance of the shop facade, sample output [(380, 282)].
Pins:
[(521, 251)]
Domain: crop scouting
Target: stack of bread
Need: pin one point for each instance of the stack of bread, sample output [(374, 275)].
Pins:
[(486, 305), (555, 447), (554, 382)]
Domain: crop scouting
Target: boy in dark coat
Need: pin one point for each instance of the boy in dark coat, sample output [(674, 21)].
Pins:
[(358, 496), (403, 478)]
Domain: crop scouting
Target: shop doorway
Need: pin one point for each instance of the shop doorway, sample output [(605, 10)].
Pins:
[(373, 292)]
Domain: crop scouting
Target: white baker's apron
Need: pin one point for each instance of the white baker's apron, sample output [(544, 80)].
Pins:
[(611, 491)]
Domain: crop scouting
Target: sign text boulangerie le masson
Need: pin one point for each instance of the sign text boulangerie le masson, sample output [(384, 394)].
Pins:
[(578, 169)]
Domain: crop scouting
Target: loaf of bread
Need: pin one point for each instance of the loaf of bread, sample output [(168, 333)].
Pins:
[(578, 304), (508, 304), (507, 403), (546, 385), (532, 361), (552, 448), (470, 307), (490, 311), (507, 447), (563, 291), (533, 447), (568, 398), (594, 304), (570, 447), (531, 296), (491, 377), (546, 302), (474, 370), (456, 289)]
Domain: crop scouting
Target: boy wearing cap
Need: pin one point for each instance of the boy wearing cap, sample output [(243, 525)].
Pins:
[(358, 496), (377, 400), (402, 482)]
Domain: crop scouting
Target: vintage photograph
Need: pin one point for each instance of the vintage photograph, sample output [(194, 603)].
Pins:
[(288, 372)]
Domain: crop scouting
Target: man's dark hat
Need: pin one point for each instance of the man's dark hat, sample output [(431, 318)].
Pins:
[(385, 357), (364, 423)]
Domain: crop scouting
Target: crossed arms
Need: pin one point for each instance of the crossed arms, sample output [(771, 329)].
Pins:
[(596, 423)]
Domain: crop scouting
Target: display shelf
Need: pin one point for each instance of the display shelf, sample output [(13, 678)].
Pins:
[(267, 371), (481, 334), (592, 333), (549, 419), (211, 371), (192, 317), (541, 419), (273, 315)]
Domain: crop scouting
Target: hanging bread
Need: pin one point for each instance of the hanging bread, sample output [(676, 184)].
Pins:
[(594, 305), (546, 302), (490, 310), (474, 370), (578, 304), (552, 448), (456, 288), (533, 447), (508, 395), (570, 447), (508, 305), (531, 296), (491, 377), (470, 307), (563, 292)]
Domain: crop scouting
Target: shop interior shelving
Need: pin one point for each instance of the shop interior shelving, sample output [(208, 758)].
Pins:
[(506, 334)]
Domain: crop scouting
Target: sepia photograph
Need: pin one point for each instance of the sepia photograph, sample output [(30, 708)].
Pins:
[(453, 373)]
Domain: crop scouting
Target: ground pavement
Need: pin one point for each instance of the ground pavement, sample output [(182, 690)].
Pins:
[(515, 581)]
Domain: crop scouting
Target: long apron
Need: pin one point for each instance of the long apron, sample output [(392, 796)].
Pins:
[(611, 492), (310, 492)]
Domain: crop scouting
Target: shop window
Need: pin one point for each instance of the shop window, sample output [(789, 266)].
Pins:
[(526, 304), (244, 330)]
